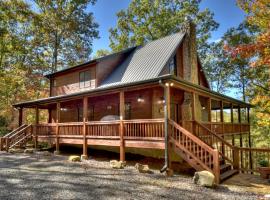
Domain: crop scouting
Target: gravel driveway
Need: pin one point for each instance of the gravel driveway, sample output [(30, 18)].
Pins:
[(52, 177)]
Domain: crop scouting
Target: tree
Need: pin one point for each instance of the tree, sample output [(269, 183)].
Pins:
[(258, 53), (15, 79), (243, 34), (147, 20), (101, 52), (64, 32), (217, 67)]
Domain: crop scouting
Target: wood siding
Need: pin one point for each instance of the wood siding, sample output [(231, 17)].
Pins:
[(69, 83)]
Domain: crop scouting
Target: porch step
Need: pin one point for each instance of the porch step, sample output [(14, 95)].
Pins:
[(224, 176), (224, 168)]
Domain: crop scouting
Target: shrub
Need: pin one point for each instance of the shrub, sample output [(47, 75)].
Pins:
[(264, 163)]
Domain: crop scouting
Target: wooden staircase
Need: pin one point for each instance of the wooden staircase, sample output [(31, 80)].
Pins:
[(200, 154), (18, 137)]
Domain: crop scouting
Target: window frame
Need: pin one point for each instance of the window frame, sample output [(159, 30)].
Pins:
[(83, 83)]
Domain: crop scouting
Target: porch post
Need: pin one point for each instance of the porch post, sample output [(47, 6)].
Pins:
[(240, 135), (122, 117), (20, 116), (57, 127), (170, 150), (249, 140), (209, 111), (50, 115), (36, 123), (193, 113), (222, 124), (85, 119)]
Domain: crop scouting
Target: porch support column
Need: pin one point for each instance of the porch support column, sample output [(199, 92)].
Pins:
[(20, 116), (57, 127), (122, 117), (85, 119), (222, 124), (240, 135), (249, 139), (210, 112), (193, 104), (36, 123), (50, 115)]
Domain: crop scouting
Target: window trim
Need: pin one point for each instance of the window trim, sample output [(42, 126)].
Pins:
[(82, 84)]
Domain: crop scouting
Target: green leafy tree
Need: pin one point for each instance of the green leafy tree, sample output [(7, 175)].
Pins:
[(147, 20), (241, 79), (64, 32), (217, 67), (100, 53)]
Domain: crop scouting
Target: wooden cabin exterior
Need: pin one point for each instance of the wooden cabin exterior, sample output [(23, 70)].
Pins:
[(154, 96)]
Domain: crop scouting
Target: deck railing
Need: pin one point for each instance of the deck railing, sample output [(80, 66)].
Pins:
[(150, 128), (143, 128), (103, 129), (220, 127)]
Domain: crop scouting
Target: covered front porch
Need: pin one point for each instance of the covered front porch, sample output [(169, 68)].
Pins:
[(134, 116)]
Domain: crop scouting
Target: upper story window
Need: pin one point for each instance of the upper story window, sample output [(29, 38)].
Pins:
[(173, 66), (85, 79)]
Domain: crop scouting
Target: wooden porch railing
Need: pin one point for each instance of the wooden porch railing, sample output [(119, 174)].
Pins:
[(17, 137), (105, 129), (142, 128), (221, 127), (201, 152), (150, 128), (225, 149), (250, 158)]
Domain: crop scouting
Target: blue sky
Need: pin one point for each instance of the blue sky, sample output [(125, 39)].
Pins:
[(227, 14)]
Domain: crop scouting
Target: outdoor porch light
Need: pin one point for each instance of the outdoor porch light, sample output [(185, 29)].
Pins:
[(63, 109), (140, 99), (203, 107), (109, 107), (161, 100)]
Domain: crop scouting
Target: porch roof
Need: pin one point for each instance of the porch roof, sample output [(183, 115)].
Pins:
[(116, 88)]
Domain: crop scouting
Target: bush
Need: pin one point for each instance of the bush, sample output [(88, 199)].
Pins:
[(264, 163), (3, 131)]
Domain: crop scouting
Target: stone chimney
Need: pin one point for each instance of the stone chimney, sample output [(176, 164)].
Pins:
[(190, 52), (190, 63)]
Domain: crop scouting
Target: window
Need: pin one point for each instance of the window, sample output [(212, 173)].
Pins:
[(85, 79), (172, 66)]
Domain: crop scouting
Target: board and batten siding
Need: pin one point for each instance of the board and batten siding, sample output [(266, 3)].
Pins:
[(70, 82)]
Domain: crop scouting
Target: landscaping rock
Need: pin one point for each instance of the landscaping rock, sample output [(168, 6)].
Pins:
[(74, 158), (204, 178), (117, 164), (29, 150), (44, 153), (17, 150), (84, 157), (143, 168)]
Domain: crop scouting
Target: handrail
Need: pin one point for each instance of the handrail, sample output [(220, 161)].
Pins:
[(25, 128), (14, 131), (219, 139), (204, 154), (191, 136)]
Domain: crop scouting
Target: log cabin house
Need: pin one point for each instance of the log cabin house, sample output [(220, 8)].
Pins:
[(154, 96)]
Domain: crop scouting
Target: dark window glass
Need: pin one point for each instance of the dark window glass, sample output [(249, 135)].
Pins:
[(85, 79), (172, 66)]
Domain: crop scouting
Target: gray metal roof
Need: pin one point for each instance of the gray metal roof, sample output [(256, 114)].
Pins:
[(145, 62)]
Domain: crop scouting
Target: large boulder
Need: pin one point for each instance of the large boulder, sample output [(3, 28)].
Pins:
[(143, 168), (204, 178), (74, 158), (29, 150), (117, 164), (15, 150)]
